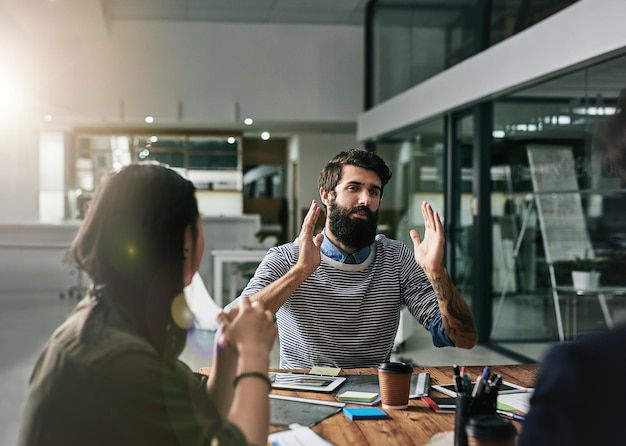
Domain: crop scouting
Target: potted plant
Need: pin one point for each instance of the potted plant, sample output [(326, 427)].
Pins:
[(586, 272)]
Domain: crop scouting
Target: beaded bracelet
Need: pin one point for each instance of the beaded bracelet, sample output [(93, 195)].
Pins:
[(260, 375)]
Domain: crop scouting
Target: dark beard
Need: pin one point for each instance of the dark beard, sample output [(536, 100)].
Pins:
[(352, 232)]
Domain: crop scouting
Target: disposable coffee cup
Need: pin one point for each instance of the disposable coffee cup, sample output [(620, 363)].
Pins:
[(394, 380)]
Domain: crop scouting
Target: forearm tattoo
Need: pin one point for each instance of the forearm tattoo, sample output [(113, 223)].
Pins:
[(457, 320)]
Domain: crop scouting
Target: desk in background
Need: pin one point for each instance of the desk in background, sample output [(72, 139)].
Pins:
[(601, 293), (236, 256), (411, 427)]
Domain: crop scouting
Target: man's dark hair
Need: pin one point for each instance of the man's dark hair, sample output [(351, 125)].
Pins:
[(330, 175)]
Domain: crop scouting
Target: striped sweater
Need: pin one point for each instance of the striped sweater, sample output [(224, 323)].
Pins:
[(346, 315)]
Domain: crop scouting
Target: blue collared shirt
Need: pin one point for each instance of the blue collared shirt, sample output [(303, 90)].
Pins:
[(440, 337), (438, 333), (332, 251)]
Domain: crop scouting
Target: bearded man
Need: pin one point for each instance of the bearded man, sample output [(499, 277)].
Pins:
[(337, 295)]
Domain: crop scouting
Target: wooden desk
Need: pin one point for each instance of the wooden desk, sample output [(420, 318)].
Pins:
[(411, 427)]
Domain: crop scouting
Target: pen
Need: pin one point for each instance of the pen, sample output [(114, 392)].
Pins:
[(467, 383), (458, 381), (486, 371), (511, 415), (480, 382), (497, 382)]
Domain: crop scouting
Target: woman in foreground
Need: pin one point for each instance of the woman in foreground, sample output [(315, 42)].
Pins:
[(109, 375)]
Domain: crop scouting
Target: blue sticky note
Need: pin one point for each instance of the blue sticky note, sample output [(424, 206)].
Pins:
[(364, 413)]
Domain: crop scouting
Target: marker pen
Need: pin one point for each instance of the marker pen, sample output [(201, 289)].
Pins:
[(480, 382), (458, 381), (511, 415)]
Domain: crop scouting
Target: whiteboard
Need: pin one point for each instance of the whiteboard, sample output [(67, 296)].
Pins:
[(559, 206)]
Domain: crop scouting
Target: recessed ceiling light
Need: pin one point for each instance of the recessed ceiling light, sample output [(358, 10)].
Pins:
[(149, 119), (248, 121), (265, 136)]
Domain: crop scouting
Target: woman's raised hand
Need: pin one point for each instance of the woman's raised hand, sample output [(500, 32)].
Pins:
[(249, 326)]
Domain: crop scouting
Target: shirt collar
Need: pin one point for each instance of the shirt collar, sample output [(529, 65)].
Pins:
[(331, 250)]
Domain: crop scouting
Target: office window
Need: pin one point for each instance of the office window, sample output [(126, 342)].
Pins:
[(167, 149), (211, 162)]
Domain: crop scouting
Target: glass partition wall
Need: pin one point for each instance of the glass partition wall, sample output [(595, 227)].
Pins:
[(559, 204), (562, 116), (413, 40), (516, 177)]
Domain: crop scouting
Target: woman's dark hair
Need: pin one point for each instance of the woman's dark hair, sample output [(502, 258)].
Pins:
[(131, 243), (330, 175)]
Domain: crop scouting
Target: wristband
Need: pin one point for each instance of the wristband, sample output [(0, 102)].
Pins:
[(259, 375)]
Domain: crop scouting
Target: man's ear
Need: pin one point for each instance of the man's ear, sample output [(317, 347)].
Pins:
[(324, 196)]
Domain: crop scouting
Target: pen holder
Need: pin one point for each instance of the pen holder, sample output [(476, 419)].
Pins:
[(467, 407)]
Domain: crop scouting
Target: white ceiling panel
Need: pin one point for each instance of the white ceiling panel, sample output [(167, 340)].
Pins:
[(57, 18), (337, 12)]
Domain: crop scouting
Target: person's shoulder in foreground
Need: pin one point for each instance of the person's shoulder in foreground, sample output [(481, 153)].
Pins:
[(580, 393)]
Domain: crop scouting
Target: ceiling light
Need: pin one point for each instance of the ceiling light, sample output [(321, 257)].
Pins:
[(149, 119), (230, 140), (593, 111), (248, 121), (265, 136)]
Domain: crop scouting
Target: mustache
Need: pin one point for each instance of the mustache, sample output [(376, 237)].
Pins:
[(365, 209)]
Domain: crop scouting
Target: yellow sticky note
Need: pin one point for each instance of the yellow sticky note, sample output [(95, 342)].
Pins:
[(325, 371)]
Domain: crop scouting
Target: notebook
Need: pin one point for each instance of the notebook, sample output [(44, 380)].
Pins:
[(364, 413)]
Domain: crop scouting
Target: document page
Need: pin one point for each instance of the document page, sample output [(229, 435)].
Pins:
[(297, 436)]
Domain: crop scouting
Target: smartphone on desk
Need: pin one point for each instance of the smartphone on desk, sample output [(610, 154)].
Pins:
[(507, 387)]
